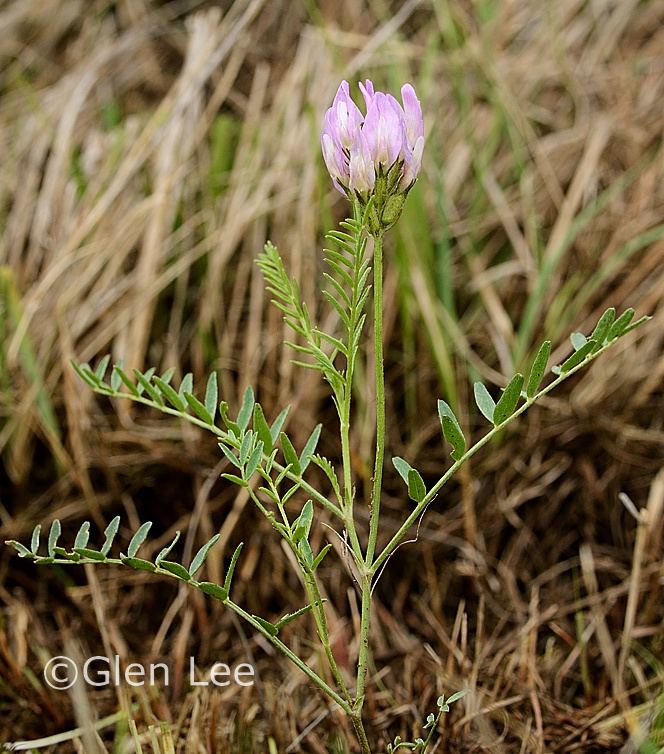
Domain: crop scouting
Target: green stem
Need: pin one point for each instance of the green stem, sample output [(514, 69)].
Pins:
[(356, 719), (380, 397), (318, 609), (363, 650)]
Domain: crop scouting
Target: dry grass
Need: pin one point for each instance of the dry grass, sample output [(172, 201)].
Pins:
[(149, 149)]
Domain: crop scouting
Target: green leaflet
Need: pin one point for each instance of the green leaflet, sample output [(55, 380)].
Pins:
[(246, 410), (53, 535), (198, 408), (416, 488), (508, 400), (538, 368), (484, 401), (211, 396), (231, 568), (169, 393), (576, 358), (202, 554), (138, 563), (602, 327), (451, 430), (138, 539), (262, 428), (289, 454), (310, 448), (176, 569), (214, 590)]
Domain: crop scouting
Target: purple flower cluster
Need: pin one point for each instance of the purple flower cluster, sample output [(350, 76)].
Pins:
[(379, 153)]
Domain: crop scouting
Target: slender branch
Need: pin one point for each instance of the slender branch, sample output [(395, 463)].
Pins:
[(421, 507), (311, 674)]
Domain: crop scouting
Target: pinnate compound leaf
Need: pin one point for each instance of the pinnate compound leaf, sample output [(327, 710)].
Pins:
[(202, 554), (138, 538), (538, 368), (326, 466), (53, 535), (508, 400), (211, 396), (484, 401), (451, 430), (416, 489)]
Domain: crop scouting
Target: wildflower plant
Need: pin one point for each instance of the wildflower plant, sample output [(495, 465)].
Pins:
[(373, 159)]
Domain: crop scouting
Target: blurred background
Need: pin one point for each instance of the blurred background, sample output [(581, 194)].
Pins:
[(149, 149)]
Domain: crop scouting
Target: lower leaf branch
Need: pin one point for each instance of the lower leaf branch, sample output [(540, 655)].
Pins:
[(433, 492)]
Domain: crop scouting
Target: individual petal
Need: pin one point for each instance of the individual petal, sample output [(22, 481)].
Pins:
[(361, 167), (384, 131), (412, 164), (346, 115), (413, 115), (331, 126), (335, 160), (367, 90)]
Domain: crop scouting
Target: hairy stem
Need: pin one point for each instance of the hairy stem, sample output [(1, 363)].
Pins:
[(356, 719), (318, 608), (363, 650)]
